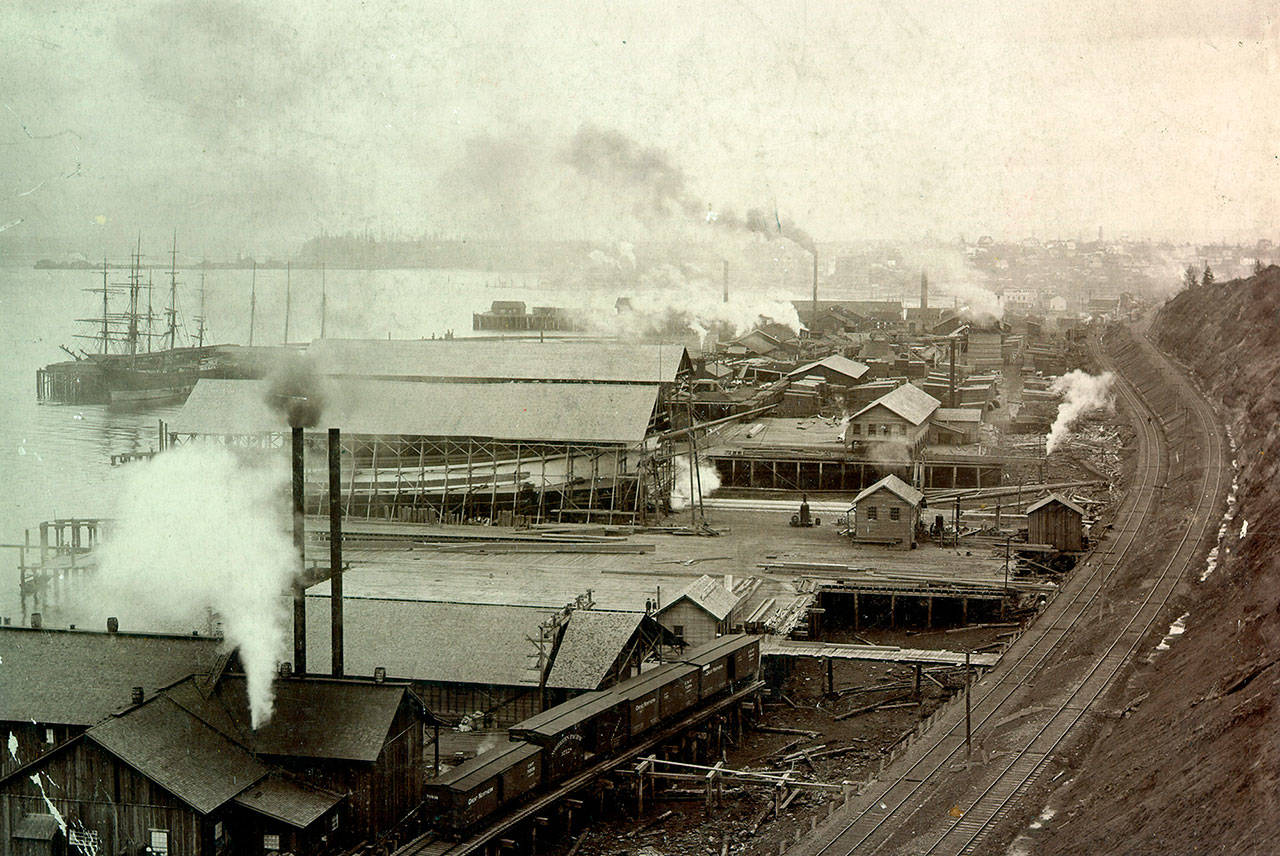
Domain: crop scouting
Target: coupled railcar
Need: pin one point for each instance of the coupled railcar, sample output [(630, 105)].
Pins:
[(551, 746)]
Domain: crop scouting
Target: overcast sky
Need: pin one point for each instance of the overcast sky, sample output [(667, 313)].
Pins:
[(255, 125)]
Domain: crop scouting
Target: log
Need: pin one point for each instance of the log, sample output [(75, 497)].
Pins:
[(777, 729), (870, 707)]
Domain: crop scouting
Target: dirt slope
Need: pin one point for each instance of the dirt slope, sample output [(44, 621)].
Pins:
[(1195, 766)]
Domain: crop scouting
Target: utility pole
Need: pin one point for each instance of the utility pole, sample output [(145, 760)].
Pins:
[(253, 299), (287, 283), (324, 296), (968, 715)]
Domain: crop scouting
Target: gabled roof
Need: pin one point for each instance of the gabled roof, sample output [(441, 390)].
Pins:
[(565, 412), (836, 363), (1058, 498), (757, 341), (288, 800), (910, 402), (895, 485), (708, 594), (499, 359), (179, 752), (314, 717), (78, 677), (591, 644)]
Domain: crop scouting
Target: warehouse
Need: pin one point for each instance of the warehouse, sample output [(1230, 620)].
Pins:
[(74, 679), (435, 451), (505, 662)]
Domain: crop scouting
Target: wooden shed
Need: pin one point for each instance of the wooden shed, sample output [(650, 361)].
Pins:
[(1057, 521), (700, 612), (887, 512)]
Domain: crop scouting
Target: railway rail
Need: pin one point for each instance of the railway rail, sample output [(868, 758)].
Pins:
[(901, 812)]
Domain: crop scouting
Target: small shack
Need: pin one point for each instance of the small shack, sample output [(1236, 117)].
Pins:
[(887, 513), (1057, 521), (700, 611)]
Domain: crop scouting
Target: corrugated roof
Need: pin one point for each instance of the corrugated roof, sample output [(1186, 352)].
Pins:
[(837, 363), (180, 753), (709, 594), (313, 718), (76, 677), (1055, 497), (289, 801), (499, 359), (895, 485), (910, 402), (565, 412), (591, 644), (430, 641)]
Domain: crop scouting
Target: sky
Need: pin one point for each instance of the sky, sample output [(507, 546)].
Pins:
[(251, 126)]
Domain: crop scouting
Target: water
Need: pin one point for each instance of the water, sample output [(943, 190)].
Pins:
[(55, 460)]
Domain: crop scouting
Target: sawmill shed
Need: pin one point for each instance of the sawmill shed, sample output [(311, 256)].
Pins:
[(1057, 521), (74, 679)]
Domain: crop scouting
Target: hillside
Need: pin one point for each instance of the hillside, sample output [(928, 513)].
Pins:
[(1193, 764)]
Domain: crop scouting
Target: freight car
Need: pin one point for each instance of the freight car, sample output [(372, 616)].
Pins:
[(553, 745)]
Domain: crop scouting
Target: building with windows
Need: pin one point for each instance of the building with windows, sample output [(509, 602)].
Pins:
[(701, 611), (887, 512)]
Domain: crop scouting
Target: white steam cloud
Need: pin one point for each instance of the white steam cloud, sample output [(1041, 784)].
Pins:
[(1081, 393), (200, 531), (682, 492)]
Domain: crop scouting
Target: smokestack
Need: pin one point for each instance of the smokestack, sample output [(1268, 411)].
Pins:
[(814, 250), (924, 290), (726, 280), (335, 552), (299, 583), (951, 388)]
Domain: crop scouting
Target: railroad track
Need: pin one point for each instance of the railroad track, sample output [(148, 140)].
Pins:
[(883, 817)]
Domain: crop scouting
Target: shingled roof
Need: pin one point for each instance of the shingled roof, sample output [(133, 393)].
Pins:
[(314, 717), (910, 402), (288, 800), (708, 594), (1058, 498), (77, 677), (591, 644), (894, 485), (179, 752), (842, 365)]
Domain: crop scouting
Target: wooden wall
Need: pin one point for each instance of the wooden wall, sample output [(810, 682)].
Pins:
[(1057, 525), (94, 791), (699, 625), (883, 526), (30, 737)]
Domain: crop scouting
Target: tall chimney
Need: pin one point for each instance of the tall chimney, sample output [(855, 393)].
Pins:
[(951, 388), (299, 583), (924, 291), (814, 250), (726, 280), (335, 552)]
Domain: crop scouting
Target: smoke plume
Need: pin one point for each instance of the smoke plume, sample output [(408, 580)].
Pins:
[(1081, 393), (682, 493), (199, 531), (295, 390)]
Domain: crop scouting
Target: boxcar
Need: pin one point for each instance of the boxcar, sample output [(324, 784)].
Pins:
[(679, 693), (642, 698), (572, 733), (725, 661), (468, 794)]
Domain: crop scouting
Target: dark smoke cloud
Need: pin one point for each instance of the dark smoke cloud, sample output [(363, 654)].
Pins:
[(295, 391), (609, 156)]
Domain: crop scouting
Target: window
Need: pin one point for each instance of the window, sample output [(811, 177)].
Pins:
[(333, 822), (895, 513), (84, 840), (872, 512), (159, 841), (271, 843), (48, 735), (217, 831), (678, 630), (855, 428)]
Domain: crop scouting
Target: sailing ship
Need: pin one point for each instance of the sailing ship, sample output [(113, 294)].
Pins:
[(135, 354)]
